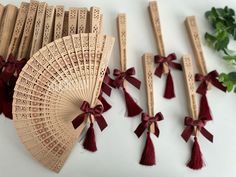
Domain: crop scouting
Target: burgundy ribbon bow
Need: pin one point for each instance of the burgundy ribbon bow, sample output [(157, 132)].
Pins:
[(209, 78), (160, 60), (127, 75), (191, 124), (88, 111), (13, 66), (147, 121)]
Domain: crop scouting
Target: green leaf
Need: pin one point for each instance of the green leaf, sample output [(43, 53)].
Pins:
[(232, 77), (229, 85), (234, 89), (223, 77)]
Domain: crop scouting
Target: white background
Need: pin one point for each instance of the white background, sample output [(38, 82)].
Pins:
[(119, 149)]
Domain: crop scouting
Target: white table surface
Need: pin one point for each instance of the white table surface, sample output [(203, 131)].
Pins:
[(119, 149)]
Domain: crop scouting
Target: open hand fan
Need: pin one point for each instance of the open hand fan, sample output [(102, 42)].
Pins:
[(50, 90)]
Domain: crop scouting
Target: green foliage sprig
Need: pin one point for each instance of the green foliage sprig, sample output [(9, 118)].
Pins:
[(223, 23)]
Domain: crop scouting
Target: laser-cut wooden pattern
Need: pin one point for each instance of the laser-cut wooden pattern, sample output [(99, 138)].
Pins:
[(95, 20), (50, 90), (38, 28), (156, 24), (148, 77), (192, 29), (59, 18), (24, 49), (122, 33), (72, 22), (49, 25), (6, 28), (82, 20), (190, 86), (18, 29)]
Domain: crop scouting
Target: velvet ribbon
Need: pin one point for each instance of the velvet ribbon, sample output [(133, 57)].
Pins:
[(96, 112), (11, 67), (160, 61), (146, 123), (106, 105), (132, 108), (191, 124), (6, 96), (127, 75), (209, 78)]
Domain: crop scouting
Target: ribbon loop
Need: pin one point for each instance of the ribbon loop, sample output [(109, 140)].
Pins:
[(211, 77)]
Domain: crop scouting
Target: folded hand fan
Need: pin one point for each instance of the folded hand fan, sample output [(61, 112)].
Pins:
[(50, 90)]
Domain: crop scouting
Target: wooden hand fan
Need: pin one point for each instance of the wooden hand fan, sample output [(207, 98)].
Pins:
[(207, 79), (193, 122), (50, 90)]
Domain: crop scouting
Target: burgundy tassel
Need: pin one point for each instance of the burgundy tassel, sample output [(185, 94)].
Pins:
[(148, 157), (205, 112), (196, 161), (132, 107), (90, 141), (169, 90)]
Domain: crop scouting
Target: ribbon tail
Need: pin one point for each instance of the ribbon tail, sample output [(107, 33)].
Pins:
[(157, 131), (132, 107), (159, 70), (169, 90), (90, 139), (101, 122), (202, 89), (78, 120), (135, 82), (106, 89), (219, 85), (205, 112), (139, 130), (207, 134), (106, 105), (7, 109), (187, 133)]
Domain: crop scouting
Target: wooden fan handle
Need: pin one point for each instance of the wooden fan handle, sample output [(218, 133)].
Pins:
[(38, 28), (82, 20), (72, 23), (121, 25), (48, 26), (18, 29), (148, 75), (190, 87), (155, 19), (1, 12), (191, 26), (95, 20), (24, 48), (7, 27), (59, 19)]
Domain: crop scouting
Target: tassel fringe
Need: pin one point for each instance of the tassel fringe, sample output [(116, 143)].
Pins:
[(148, 156), (196, 161), (133, 108), (169, 90), (90, 140), (205, 112)]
